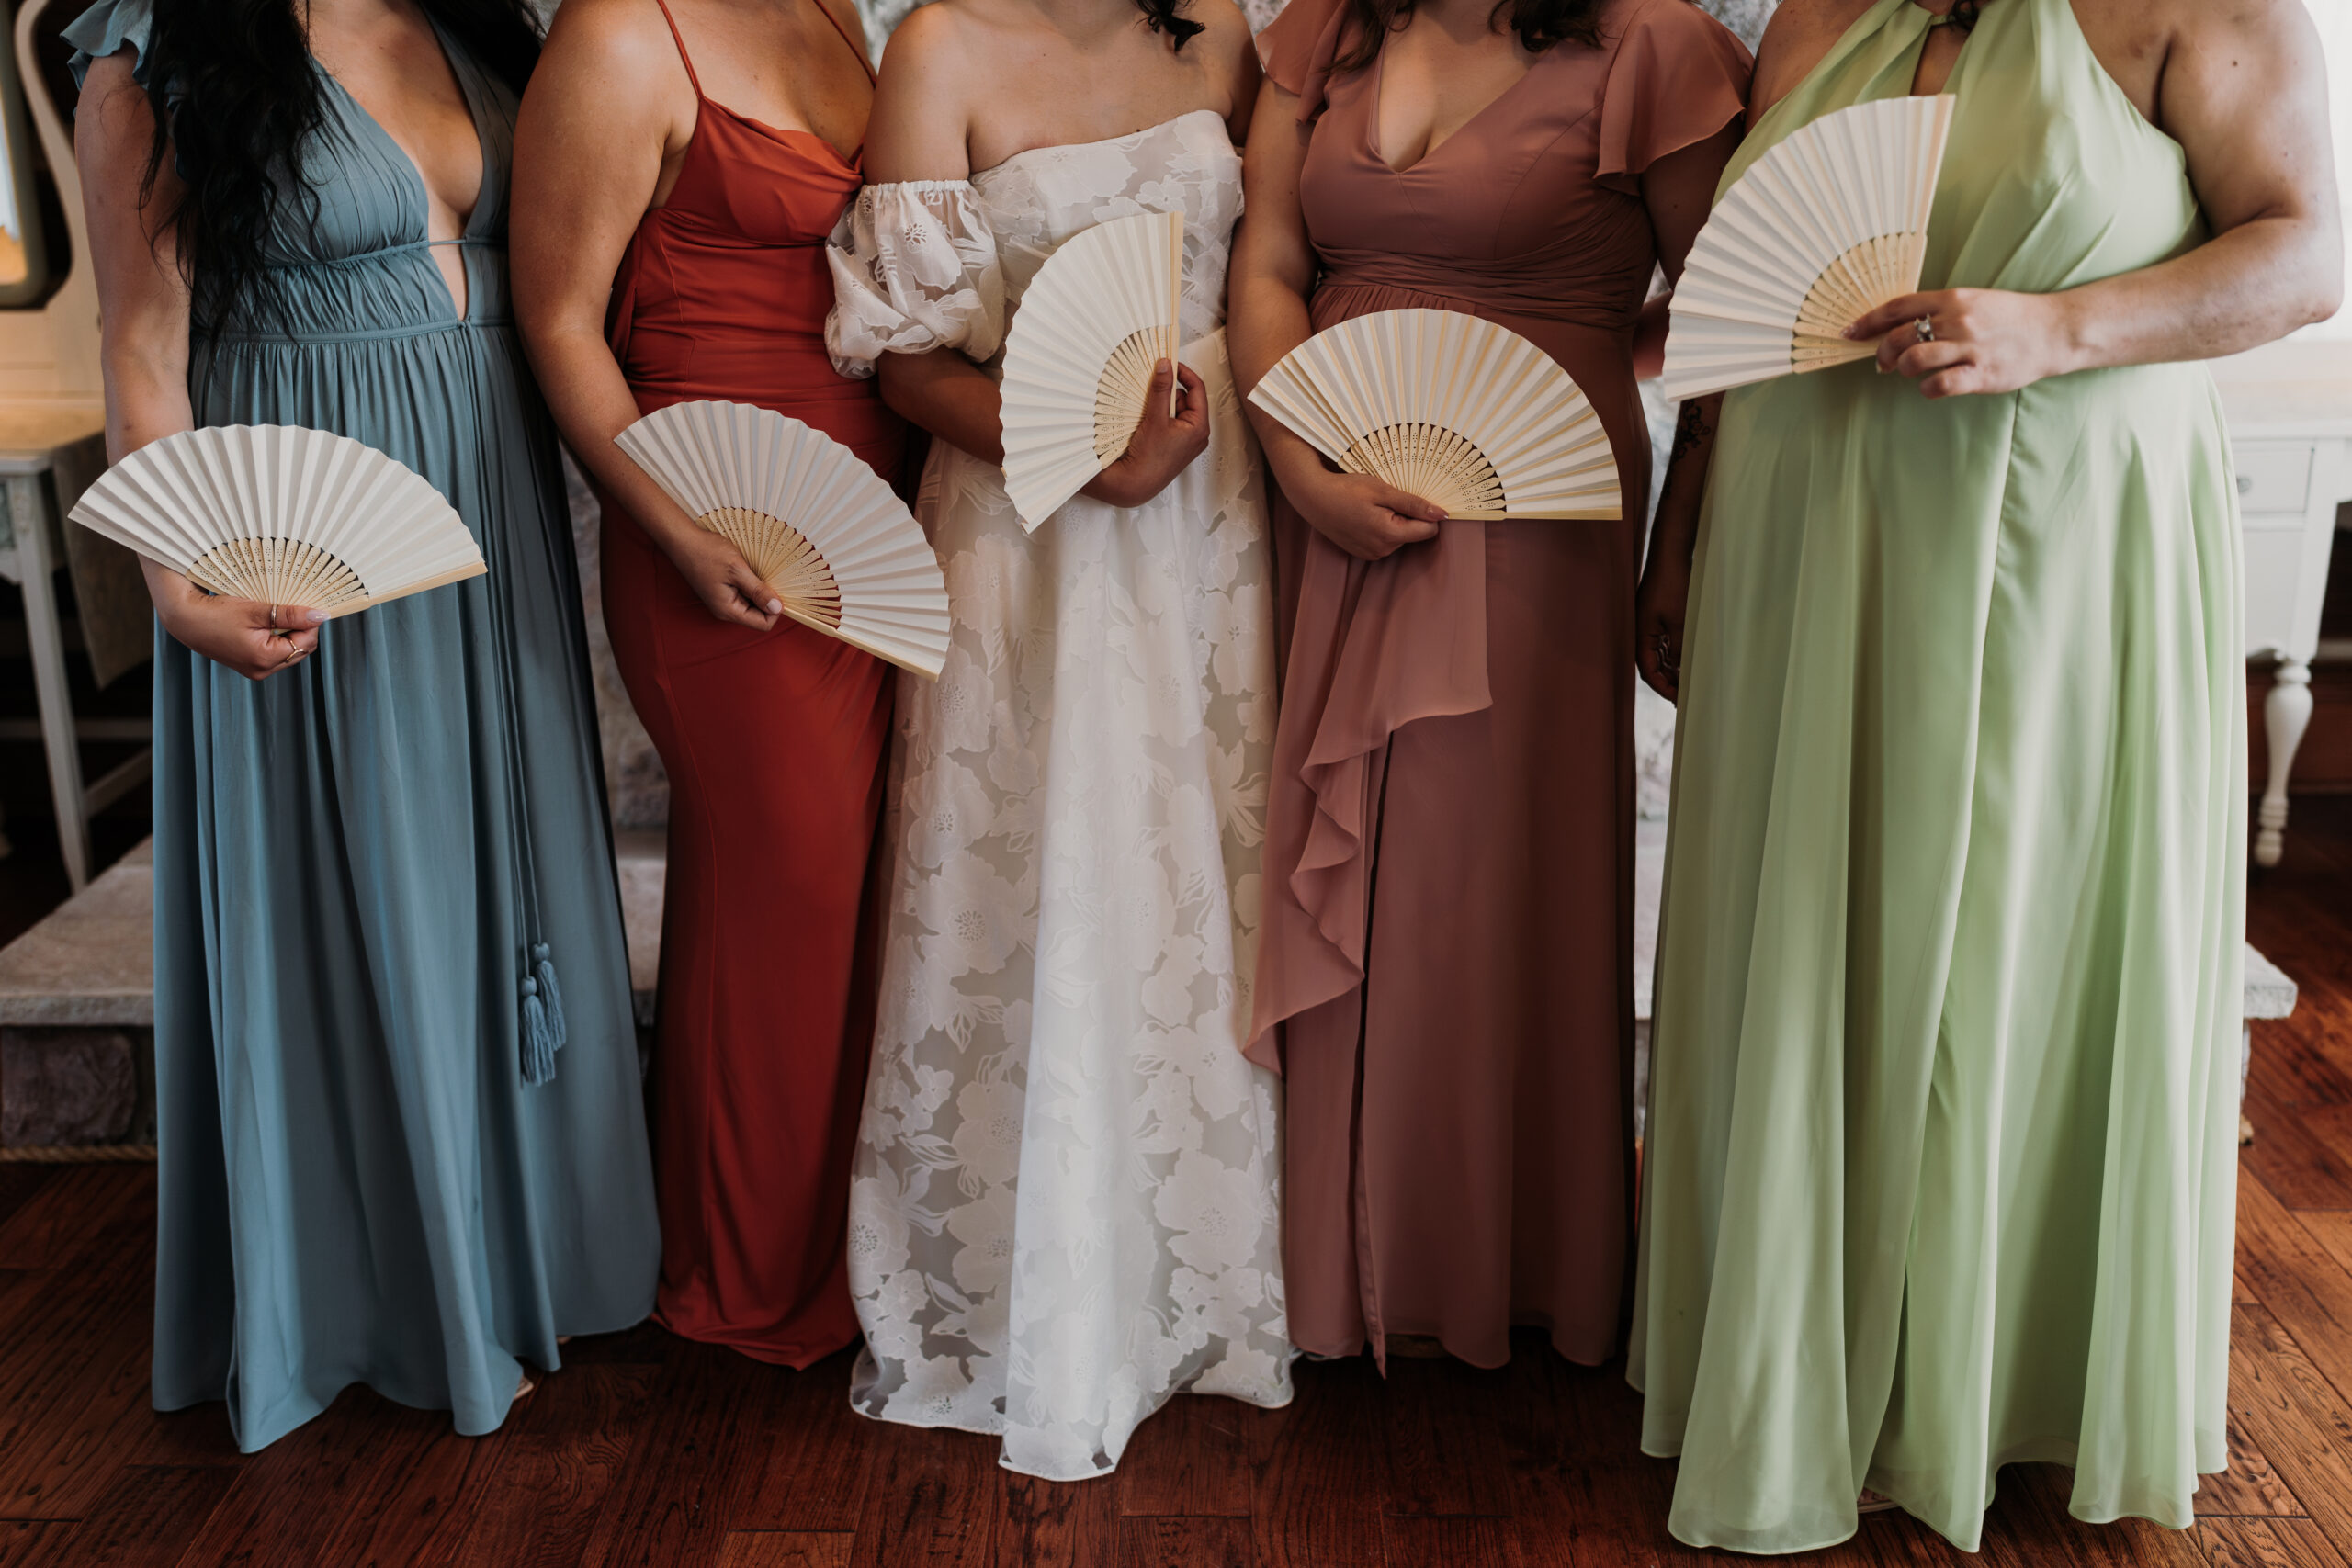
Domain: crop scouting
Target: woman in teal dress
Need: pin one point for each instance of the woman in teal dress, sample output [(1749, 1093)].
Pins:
[(396, 1147), (1941, 1167)]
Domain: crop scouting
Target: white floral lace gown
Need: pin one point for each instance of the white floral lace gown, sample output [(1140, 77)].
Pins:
[(1065, 1207)]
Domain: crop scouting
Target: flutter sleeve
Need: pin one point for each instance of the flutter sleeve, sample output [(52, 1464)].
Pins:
[(914, 269), (1297, 48), (1678, 77), (108, 29)]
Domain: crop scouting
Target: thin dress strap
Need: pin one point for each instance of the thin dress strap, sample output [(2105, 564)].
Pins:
[(856, 52), (680, 39)]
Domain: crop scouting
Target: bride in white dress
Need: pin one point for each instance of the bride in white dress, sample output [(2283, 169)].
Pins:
[(1065, 1207)]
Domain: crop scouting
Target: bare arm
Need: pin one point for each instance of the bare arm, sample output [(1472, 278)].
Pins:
[(1272, 274), (597, 123), (918, 132), (2244, 91), (144, 314), (1679, 189)]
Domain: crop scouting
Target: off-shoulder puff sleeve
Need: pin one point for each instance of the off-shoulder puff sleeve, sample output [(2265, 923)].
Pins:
[(108, 29), (914, 269), (1678, 77), (1297, 48)]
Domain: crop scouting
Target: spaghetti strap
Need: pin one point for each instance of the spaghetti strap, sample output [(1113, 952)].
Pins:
[(680, 39), (856, 51)]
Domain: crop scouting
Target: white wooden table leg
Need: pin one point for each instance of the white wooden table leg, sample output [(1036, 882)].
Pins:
[(28, 517), (2285, 715)]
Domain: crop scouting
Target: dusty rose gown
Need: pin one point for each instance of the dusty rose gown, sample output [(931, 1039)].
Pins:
[(1447, 977)]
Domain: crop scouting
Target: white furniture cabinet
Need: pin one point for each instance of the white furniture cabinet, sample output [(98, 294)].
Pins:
[(2290, 407)]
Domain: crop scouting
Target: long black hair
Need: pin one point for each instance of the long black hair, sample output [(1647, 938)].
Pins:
[(1540, 24), (1167, 16), (237, 101)]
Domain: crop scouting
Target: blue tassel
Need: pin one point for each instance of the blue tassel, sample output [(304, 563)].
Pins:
[(554, 998), (539, 1046)]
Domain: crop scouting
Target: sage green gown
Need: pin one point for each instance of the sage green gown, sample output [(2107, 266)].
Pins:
[(1941, 1169)]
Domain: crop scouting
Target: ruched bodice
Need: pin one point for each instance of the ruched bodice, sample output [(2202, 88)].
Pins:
[(366, 865), (724, 286)]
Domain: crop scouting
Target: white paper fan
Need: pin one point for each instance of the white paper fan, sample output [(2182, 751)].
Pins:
[(1099, 316), (283, 516), (1451, 408), (1826, 227), (837, 544)]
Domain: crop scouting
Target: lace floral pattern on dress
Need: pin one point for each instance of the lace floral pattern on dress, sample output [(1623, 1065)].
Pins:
[(1065, 1206)]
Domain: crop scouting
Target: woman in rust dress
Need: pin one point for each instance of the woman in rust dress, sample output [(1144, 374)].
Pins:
[(1447, 977), (670, 245)]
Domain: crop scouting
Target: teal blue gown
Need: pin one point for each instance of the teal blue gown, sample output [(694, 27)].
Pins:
[(360, 863)]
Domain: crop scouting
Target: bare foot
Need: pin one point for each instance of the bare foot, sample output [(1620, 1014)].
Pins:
[(524, 1387), (1871, 1502)]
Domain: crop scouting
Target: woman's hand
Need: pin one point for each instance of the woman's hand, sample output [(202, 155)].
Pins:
[(1658, 609), (1370, 520), (1162, 445), (256, 640), (1985, 340), (721, 578)]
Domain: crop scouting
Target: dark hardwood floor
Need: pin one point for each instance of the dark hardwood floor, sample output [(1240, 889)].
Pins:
[(647, 1451)]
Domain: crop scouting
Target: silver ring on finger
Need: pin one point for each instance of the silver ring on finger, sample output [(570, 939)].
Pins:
[(1923, 329)]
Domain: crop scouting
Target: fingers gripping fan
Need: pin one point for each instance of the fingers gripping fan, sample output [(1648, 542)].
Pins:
[(820, 527), (282, 515), (1099, 316), (1451, 408), (1826, 227)]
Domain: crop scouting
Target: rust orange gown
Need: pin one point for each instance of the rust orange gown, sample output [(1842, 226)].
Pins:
[(775, 744)]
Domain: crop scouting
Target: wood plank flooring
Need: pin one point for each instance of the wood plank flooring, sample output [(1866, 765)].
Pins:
[(647, 1451)]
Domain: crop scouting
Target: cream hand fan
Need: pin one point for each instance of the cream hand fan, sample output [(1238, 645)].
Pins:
[(283, 516), (1100, 315), (836, 544), (1826, 227), (1451, 408)]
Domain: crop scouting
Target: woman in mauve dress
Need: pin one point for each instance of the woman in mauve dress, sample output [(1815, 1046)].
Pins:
[(682, 163), (1447, 975)]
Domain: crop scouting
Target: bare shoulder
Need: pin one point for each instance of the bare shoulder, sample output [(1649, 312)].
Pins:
[(846, 15), (620, 50), (1227, 30), (1230, 53), (931, 44), (1796, 40), (2180, 60)]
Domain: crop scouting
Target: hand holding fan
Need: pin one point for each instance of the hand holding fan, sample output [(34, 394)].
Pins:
[(1097, 319), (1451, 408), (281, 515), (820, 527), (1826, 227)]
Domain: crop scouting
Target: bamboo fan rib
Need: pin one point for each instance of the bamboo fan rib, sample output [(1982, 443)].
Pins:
[(820, 527), (1451, 408), (282, 515), (1099, 316), (1826, 227)]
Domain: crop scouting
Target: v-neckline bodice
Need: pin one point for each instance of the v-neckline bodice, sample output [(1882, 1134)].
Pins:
[(485, 193), (1380, 93)]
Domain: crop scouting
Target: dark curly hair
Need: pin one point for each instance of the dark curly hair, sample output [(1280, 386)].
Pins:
[(1540, 24), (1167, 16), (236, 103)]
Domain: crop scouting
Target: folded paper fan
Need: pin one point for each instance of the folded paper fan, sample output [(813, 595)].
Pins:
[(836, 544), (1826, 228), (1096, 320), (282, 515), (1451, 408)]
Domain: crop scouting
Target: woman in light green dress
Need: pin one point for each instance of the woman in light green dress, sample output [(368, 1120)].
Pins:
[(1940, 1169)]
